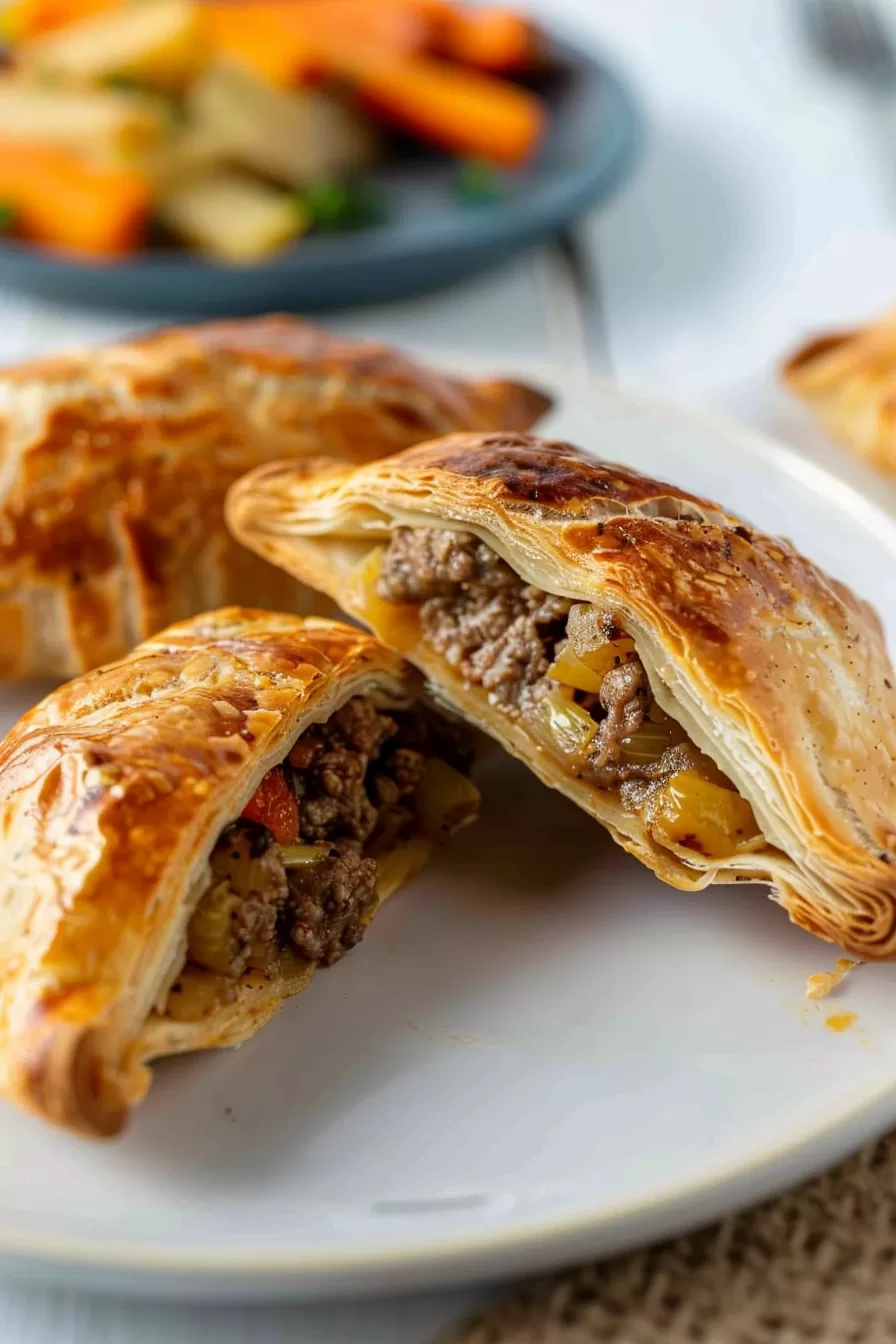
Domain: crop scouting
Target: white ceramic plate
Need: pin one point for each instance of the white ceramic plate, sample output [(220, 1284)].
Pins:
[(540, 1053)]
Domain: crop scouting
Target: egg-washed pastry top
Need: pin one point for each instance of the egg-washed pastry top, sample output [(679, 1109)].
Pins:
[(723, 706), (114, 463), (187, 834), (847, 379)]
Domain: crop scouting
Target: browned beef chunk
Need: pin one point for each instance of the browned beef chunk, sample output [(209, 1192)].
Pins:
[(329, 904), (625, 697), (475, 611), (426, 562)]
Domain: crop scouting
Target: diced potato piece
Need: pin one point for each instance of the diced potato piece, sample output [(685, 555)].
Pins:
[(396, 624), (186, 154), (397, 867), (596, 641), (611, 654), (446, 800), (195, 993), (163, 43), (96, 123), (232, 217), (564, 724), (569, 670), (296, 137), (692, 814)]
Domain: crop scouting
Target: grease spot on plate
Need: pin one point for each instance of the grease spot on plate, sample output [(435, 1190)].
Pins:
[(840, 1021)]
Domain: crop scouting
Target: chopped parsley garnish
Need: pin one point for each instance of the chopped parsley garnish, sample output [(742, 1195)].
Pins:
[(337, 206), (478, 183)]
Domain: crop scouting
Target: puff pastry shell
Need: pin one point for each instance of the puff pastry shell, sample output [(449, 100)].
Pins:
[(115, 463), (848, 380), (775, 670), (113, 791)]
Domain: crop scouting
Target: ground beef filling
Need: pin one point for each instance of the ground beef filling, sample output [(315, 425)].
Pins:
[(495, 630), (355, 780), (503, 634)]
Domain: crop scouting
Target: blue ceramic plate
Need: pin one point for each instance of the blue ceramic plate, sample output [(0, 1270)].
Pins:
[(431, 237)]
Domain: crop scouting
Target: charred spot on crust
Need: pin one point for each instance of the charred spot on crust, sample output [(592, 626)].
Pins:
[(543, 471)]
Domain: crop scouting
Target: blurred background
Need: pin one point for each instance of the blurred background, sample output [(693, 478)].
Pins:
[(736, 190)]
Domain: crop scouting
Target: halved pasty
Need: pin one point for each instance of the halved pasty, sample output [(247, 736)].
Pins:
[(116, 462), (721, 705), (848, 381), (189, 833)]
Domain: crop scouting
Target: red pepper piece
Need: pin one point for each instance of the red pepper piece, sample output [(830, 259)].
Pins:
[(273, 804)]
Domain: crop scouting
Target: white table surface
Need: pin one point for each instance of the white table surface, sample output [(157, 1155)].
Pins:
[(765, 207)]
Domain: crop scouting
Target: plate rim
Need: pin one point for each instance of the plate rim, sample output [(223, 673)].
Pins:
[(537, 1242)]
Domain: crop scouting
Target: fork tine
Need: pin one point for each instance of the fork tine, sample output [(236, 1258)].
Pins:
[(850, 35)]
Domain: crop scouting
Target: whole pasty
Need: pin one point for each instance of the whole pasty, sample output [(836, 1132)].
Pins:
[(116, 461), (848, 381), (721, 705), (189, 833)]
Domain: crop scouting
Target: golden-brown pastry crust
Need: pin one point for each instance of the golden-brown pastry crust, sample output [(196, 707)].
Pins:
[(113, 791), (848, 381), (776, 670), (114, 464)]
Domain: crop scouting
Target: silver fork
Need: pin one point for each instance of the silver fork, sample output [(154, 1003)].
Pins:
[(852, 39)]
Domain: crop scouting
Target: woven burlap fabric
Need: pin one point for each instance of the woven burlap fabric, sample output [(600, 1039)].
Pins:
[(817, 1265)]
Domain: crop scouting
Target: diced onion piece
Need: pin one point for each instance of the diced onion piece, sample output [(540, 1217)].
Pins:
[(397, 867), (569, 670), (567, 725), (397, 624), (587, 629), (303, 856), (648, 742), (195, 993), (693, 814), (446, 800), (210, 934)]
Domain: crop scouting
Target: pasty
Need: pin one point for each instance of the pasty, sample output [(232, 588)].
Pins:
[(116, 462), (720, 704), (189, 833)]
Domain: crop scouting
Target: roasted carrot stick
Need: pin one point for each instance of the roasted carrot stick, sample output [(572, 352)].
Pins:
[(459, 109), (261, 38), (59, 200), (367, 26), (490, 38)]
